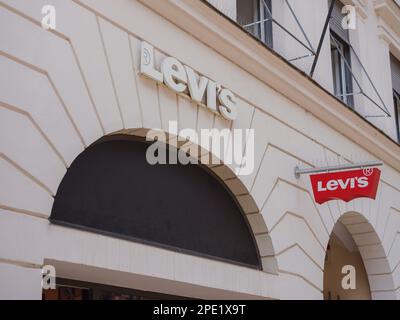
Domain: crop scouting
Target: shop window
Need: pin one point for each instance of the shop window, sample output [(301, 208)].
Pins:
[(78, 290), (67, 292), (256, 17), (111, 189)]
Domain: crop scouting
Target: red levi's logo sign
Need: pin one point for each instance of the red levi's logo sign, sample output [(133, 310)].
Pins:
[(345, 185)]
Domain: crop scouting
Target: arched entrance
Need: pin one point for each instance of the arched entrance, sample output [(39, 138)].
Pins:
[(353, 253)]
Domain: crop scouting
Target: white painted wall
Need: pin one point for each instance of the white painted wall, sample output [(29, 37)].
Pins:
[(312, 21), (66, 89)]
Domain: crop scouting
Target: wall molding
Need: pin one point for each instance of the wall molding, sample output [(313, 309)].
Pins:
[(389, 12)]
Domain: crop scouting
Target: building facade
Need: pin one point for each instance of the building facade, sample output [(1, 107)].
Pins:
[(75, 108)]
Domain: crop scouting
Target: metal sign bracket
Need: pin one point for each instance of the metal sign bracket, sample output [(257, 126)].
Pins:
[(299, 171)]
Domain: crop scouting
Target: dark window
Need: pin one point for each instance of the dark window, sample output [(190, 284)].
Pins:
[(335, 22), (256, 17), (341, 65), (396, 99), (395, 69), (110, 188), (341, 56), (78, 290)]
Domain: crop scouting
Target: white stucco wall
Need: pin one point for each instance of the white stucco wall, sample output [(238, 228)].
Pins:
[(312, 21), (60, 91)]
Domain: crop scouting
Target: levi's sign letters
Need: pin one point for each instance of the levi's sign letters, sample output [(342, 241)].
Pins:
[(184, 80)]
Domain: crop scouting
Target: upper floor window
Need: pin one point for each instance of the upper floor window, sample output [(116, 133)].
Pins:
[(341, 57), (396, 99), (395, 68), (256, 17), (342, 82)]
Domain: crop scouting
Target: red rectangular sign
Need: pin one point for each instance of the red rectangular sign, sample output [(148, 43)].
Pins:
[(345, 185)]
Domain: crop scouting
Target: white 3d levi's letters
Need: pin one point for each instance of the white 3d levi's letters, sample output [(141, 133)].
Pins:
[(183, 79)]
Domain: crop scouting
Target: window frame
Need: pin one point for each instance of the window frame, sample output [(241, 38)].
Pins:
[(346, 79), (266, 26), (263, 29), (396, 104)]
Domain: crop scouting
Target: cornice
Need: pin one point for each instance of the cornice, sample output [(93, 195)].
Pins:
[(389, 12), (225, 37), (390, 38)]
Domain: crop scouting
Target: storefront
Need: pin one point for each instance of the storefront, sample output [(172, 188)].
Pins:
[(76, 106)]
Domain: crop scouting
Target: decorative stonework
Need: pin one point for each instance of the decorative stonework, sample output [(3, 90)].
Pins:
[(389, 12), (360, 6)]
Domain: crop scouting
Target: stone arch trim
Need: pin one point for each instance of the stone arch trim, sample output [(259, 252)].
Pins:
[(240, 193), (373, 254)]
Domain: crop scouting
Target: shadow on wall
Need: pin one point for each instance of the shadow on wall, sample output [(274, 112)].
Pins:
[(339, 255)]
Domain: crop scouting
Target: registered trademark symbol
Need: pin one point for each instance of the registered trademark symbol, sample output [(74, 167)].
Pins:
[(146, 56), (368, 171)]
